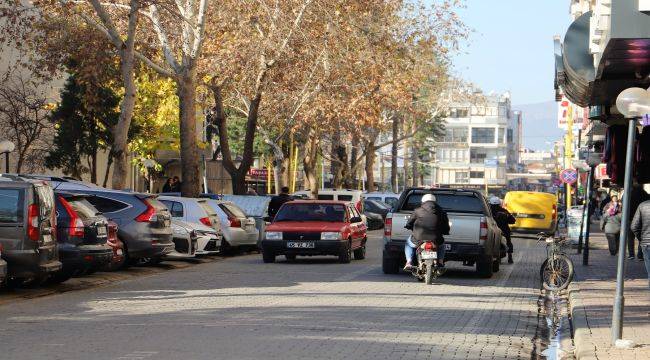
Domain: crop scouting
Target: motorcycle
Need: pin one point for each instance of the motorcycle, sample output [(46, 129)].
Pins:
[(427, 268)]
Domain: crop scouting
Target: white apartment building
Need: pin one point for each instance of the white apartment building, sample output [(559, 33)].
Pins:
[(481, 144)]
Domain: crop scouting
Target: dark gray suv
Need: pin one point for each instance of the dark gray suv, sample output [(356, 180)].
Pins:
[(27, 229), (144, 223)]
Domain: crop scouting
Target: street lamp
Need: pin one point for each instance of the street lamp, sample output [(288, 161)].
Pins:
[(6, 147), (632, 103)]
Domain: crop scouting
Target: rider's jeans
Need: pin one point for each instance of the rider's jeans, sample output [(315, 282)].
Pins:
[(409, 250)]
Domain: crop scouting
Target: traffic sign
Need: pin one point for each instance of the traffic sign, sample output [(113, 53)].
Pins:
[(569, 176)]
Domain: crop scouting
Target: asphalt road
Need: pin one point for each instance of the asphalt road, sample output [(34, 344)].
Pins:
[(315, 308)]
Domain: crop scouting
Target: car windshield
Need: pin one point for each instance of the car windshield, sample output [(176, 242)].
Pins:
[(378, 205), (83, 208), (232, 209), (311, 212), (450, 202)]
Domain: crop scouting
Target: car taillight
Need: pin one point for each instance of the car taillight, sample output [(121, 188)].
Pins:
[(76, 227), (428, 246), (205, 221), (148, 215), (484, 229), (554, 214), (32, 223), (388, 226), (234, 222), (359, 206)]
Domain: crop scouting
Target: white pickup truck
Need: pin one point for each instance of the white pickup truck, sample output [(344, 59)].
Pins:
[(474, 238)]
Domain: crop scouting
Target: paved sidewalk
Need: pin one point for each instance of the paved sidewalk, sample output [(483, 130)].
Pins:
[(592, 297)]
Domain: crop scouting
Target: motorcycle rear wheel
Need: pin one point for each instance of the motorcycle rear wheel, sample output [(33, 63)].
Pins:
[(428, 275)]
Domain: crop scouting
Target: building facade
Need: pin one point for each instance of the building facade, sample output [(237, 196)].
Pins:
[(481, 144)]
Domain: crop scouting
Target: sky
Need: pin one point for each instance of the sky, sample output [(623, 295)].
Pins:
[(511, 47)]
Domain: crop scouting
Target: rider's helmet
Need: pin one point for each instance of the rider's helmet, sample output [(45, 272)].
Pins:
[(495, 200), (428, 197)]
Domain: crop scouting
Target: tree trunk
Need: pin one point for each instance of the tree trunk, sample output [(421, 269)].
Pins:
[(121, 129), (352, 174), (370, 167), (109, 162), (279, 164), (19, 163), (394, 152), (93, 167), (186, 91), (310, 164), (415, 165)]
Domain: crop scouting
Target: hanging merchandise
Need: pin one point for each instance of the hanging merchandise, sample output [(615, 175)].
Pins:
[(614, 152), (643, 156)]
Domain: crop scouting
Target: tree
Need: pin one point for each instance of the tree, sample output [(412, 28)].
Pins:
[(24, 119), (82, 121)]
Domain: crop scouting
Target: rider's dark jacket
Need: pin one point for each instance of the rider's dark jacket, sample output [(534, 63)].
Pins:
[(503, 218), (429, 222)]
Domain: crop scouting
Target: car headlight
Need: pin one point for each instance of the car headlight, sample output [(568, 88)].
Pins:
[(273, 235), (330, 236)]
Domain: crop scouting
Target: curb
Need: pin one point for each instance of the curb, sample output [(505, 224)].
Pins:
[(585, 349)]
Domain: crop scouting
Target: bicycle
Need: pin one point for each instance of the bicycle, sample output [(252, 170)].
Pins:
[(557, 270)]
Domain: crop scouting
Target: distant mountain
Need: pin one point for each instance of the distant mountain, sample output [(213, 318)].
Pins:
[(540, 125)]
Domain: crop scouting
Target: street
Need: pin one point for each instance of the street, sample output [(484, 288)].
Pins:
[(315, 308)]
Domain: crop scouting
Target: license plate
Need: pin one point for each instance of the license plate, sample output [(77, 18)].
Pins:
[(101, 230), (447, 246), (167, 222), (47, 238), (301, 245), (426, 255), (119, 252)]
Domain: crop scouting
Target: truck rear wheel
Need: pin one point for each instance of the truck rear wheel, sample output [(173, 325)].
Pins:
[(389, 265), (484, 268)]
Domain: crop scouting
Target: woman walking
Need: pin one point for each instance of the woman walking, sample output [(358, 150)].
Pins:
[(610, 223)]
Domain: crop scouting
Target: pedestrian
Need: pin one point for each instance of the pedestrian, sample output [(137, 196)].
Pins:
[(503, 218), (429, 222), (641, 228), (279, 200), (168, 185), (610, 223), (176, 184), (638, 196)]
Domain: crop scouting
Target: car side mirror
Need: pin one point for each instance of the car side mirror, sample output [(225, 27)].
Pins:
[(355, 219)]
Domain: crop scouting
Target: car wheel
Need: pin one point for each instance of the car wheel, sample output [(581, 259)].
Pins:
[(59, 277), (290, 257), (484, 268), (268, 257), (360, 253), (389, 265), (345, 256), (226, 249)]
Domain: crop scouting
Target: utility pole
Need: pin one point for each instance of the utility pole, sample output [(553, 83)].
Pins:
[(568, 152)]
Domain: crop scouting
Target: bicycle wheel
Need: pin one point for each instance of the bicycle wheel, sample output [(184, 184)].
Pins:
[(556, 272)]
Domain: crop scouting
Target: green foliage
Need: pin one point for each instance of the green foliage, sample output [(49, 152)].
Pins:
[(237, 132), (82, 121)]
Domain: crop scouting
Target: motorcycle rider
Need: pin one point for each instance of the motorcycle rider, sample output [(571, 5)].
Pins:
[(503, 218), (429, 222)]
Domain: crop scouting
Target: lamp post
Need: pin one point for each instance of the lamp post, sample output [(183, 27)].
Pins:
[(6, 147), (632, 103)]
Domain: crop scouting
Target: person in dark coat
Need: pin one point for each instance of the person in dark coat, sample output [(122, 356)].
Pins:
[(278, 200), (503, 218), (168, 185), (176, 184), (641, 228), (429, 222)]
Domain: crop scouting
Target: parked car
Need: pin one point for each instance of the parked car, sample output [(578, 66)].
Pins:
[(375, 212), (27, 229), (208, 240), (81, 234), (185, 240), (316, 227), (255, 207), (239, 231), (534, 211), (144, 223), (197, 212), (119, 259), (346, 195), (388, 198), (474, 238)]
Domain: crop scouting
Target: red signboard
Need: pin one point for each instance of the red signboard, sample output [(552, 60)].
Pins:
[(258, 173)]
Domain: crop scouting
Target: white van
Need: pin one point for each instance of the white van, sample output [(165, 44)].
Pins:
[(348, 195), (389, 198)]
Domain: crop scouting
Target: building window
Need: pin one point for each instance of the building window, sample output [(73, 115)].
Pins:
[(501, 133), (462, 177), (476, 156), (510, 135), (483, 135), (455, 135), (477, 174)]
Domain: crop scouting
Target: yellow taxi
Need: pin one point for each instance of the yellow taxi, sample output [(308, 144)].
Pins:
[(534, 211)]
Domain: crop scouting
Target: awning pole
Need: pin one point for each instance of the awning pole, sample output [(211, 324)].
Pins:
[(619, 300), (587, 221)]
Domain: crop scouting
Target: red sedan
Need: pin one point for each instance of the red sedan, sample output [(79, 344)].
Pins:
[(315, 227)]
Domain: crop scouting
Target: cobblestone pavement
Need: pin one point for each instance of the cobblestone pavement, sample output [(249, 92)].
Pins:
[(315, 308), (593, 291)]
